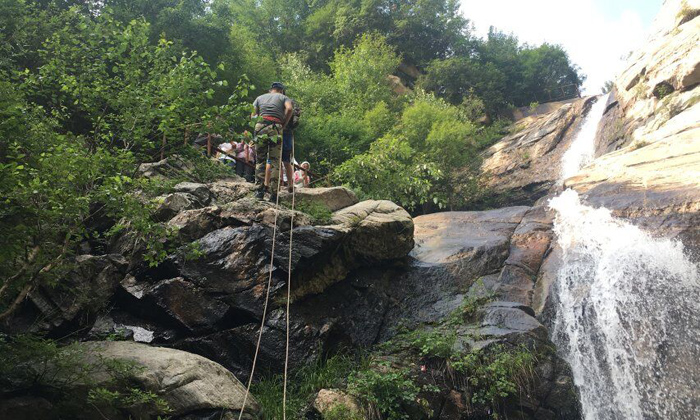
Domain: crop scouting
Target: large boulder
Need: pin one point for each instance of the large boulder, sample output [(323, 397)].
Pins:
[(158, 382), (378, 230), (334, 198), (230, 189), (168, 167), (193, 224), (178, 303), (190, 384), (171, 204), (201, 191), (337, 403)]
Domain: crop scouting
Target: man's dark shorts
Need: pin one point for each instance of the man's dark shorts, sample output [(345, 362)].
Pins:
[(287, 139)]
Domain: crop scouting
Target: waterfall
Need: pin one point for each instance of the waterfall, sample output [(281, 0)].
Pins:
[(581, 151), (626, 311)]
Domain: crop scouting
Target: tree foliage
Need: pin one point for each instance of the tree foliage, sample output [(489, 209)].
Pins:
[(97, 101)]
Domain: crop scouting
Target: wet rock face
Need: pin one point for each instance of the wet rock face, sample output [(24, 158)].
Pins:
[(654, 186), (525, 165), (515, 242)]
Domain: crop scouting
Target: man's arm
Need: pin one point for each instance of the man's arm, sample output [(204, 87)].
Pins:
[(256, 109), (288, 111)]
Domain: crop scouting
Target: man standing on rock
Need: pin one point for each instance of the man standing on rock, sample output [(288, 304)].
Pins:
[(275, 110)]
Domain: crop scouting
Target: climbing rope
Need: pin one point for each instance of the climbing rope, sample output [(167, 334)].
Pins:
[(267, 294), (289, 291)]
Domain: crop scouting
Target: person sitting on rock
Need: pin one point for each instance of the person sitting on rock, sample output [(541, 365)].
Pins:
[(275, 110), (250, 158), (227, 148), (301, 177), (240, 151)]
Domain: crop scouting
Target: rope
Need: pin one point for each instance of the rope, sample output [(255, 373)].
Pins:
[(289, 291), (267, 293)]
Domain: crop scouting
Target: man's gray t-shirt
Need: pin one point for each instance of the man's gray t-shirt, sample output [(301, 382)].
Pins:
[(271, 105)]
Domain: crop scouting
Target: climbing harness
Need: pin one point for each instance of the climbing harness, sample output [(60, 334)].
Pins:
[(267, 298)]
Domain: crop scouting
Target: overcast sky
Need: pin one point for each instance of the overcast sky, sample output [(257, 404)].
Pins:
[(596, 33)]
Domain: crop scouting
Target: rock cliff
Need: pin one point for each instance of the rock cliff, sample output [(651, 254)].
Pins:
[(526, 165), (357, 280)]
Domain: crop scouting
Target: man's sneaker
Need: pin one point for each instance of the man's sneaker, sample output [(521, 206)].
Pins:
[(260, 193)]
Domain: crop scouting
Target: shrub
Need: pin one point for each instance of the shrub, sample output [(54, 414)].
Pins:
[(433, 343), (341, 412), (495, 373), (468, 308), (662, 90), (686, 14), (391, 170), (98, 102), (384, 389)]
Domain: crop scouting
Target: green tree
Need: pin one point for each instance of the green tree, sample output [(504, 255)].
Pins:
[(419, 118), (548, 75), (342, 111), (360, 74), (390, 170), (73, 131)]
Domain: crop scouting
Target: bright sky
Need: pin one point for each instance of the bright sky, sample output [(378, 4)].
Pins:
[(595, 33)]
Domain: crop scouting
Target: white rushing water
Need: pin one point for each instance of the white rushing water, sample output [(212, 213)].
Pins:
[(582, 149), (627, 311)]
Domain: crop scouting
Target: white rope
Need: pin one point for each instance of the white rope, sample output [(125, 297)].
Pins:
[(267, 293), (289, 291)]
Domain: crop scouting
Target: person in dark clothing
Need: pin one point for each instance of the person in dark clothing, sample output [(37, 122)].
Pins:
[(288, 146)]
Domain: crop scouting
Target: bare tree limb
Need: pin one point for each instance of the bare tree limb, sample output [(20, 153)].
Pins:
[(32, 282), (15, 304), (30, 259)]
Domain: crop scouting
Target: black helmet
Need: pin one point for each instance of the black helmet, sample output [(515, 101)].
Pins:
[(277, 85)]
